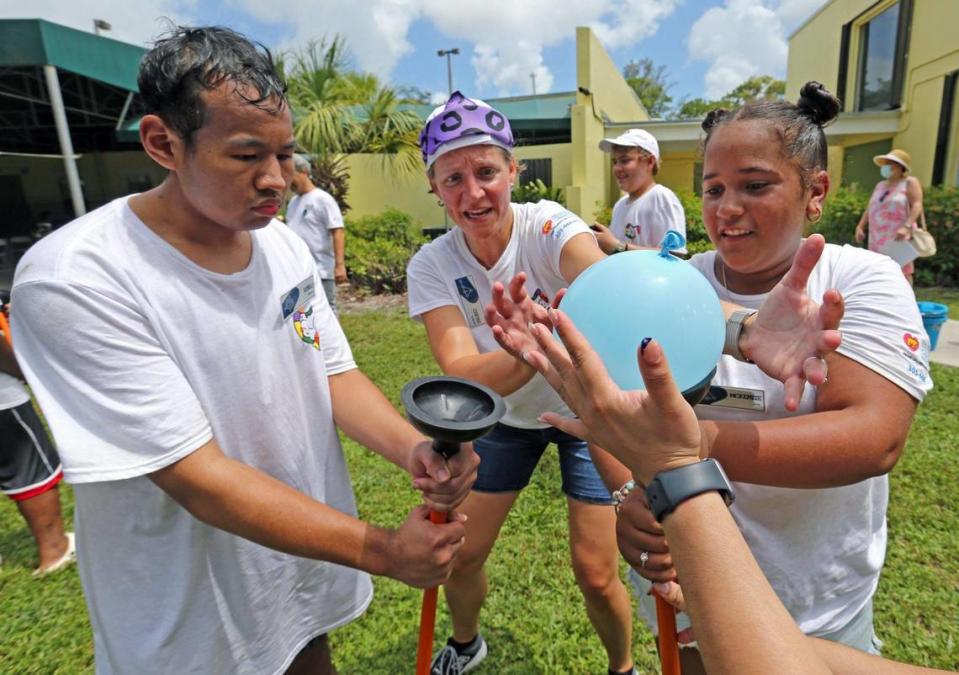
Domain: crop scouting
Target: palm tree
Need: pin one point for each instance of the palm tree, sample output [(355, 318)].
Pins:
[(338, 111)]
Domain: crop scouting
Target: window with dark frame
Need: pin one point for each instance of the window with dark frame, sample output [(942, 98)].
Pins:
[(944, 135), (883, 52), (538, 169)]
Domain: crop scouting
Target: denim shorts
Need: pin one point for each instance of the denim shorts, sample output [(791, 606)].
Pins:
[(508, 456)]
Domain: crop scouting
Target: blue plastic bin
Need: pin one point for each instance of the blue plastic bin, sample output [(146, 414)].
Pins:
[(933, 316)]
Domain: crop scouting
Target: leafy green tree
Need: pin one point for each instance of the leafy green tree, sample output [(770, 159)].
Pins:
[(338, 111), (650, 82), (696, 108), (756, 88)]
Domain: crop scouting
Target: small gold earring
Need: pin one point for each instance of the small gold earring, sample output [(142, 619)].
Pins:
[(816, 219), (439, 202)]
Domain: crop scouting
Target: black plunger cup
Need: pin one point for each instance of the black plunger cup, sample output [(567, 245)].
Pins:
[(450, 410)]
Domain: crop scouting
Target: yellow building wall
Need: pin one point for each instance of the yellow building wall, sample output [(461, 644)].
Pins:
[(677, 171), (933, 53), (608, 98), (814, 49), (104, 176), (373, 189)]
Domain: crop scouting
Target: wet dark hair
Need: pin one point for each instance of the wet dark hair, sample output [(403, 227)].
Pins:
[(187, 61), (799, 126)]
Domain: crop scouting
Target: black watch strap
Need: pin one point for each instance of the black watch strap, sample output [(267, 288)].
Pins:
[(669, 489)]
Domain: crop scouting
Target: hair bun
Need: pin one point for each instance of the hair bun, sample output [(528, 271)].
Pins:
[(714, 117), (817, 103)]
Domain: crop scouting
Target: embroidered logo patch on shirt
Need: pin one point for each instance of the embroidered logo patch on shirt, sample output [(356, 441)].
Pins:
[(912, 342), (298, 303), (469, 301), (305, 327)]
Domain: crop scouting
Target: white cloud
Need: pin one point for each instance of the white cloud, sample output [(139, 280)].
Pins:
[(134, 21), (743, 38), (508, 36)]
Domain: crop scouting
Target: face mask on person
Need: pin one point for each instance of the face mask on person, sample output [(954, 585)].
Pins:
[(885, 170)]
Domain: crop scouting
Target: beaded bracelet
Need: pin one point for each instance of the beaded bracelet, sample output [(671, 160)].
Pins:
[(619, 496)]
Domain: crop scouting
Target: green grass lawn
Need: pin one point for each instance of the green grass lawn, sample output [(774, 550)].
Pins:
[(534, 618)]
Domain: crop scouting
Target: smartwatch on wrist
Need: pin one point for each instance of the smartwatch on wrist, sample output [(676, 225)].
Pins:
[(669, 489), (734, 330)]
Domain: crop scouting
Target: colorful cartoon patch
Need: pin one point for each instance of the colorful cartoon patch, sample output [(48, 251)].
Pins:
[(305, 327), (548, 226), (540, 298), (632, 231), (911, 341)]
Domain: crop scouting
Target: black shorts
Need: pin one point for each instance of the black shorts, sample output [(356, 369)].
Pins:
[(29, 464)]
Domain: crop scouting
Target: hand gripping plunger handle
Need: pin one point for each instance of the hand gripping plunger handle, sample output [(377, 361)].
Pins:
[(424, 647)]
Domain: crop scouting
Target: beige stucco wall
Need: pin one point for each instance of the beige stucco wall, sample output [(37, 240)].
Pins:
[(677, 170), (373, 189), (104, 176), (609, 99), (933, 53)]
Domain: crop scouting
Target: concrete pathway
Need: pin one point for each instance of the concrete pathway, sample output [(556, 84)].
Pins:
[(947, 349)]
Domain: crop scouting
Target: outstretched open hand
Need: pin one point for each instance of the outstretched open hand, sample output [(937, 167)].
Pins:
[(510, 316), (791, 334), (648, 430)]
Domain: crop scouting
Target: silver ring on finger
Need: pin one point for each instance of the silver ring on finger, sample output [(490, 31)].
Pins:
[(643, 558)]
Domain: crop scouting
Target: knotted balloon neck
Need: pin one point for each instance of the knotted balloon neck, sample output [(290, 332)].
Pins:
[(672, 241)]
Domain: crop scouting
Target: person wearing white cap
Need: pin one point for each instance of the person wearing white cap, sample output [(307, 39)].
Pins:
[(647, 210), (894, 206)]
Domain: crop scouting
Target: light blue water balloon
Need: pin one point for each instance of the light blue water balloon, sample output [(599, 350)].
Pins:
[(620, 300)]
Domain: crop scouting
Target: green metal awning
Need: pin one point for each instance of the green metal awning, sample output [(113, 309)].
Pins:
[(97, 77), (35, 42)]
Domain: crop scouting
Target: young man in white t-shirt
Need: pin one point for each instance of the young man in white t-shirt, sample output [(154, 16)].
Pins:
[(197, 397), (315, 216), (648, 210)]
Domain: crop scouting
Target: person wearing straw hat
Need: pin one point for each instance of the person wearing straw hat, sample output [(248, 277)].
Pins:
[(894, 207)]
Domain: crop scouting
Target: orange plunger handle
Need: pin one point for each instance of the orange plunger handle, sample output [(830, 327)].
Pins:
[(424, 648), (668, 644)]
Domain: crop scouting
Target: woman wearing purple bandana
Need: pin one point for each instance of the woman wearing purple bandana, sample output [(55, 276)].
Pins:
[(467, 149), (476, 289)]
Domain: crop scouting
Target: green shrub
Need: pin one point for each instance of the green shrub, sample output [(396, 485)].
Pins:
[(942, 219), (695, 230), (840, 214), (603, 214), (378, 249), (537, 190)]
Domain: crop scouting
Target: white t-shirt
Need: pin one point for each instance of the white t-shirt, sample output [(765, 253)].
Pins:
[(644, 221), (159, 357), (822, 550), (12, 391), (445, 272), (312, 215)]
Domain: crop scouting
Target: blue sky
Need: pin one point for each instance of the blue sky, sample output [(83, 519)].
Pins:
[(707, 46)]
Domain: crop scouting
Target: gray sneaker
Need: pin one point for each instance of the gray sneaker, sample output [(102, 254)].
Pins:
[(453, 661)]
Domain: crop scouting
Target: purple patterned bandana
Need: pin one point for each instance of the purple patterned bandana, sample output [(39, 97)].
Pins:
[(462, 122)]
